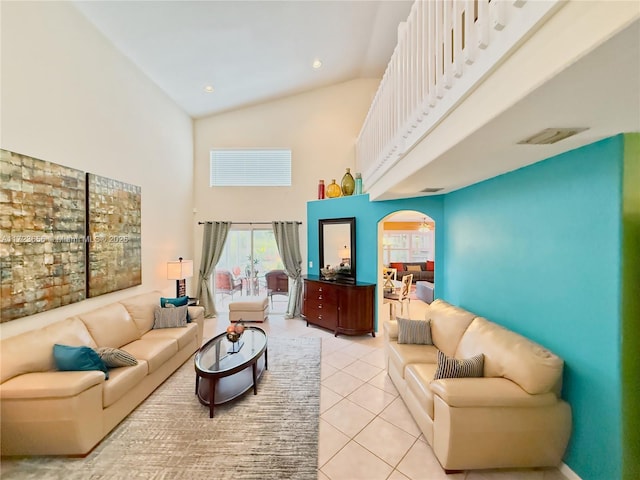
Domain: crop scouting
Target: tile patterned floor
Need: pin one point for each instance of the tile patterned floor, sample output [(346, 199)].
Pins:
[(366, 432)]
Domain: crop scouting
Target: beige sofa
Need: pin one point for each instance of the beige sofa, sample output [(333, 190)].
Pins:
[(49, 412), (513, 416)]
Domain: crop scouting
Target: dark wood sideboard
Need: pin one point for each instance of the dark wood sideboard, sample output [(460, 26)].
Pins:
[(340, 307)]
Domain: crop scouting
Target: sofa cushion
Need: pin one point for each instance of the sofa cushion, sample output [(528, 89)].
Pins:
[(114, 357), (487, 392), (402, 355), (510, 355), (39, 345), (169, 317), (111, 325), (182, 335), (50, 384), (449, 367), (417, 332), (121, 381), (418, 377), (422, 266), (156, 351), (448, 324), (141, 309)]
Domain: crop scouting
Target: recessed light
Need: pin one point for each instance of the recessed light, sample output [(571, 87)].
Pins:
[(316, 64), (208, 89)]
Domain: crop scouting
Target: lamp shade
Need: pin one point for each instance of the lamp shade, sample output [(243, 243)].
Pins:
[(179, 270)]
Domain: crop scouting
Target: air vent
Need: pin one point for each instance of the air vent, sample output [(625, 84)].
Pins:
[(430, 190), (551, 135)]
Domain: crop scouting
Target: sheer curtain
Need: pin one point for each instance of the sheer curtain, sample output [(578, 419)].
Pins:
[(288, 241), (214, 236)]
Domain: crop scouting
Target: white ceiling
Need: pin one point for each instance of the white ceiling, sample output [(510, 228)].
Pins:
[(249, 51)]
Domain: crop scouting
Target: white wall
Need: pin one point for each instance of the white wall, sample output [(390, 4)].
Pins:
[(69, 97), (320, 127)]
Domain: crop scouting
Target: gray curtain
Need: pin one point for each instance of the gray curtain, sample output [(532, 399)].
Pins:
[(288, 242), (214, 236)]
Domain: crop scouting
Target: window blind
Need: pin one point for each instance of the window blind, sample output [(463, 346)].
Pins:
[(250, 168)]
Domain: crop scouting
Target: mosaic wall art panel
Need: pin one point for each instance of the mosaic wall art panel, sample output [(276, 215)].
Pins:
[(114, 258), (42, 235)]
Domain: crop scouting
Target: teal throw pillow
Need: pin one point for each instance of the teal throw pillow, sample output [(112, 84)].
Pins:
[(176, 302), (70, 358)]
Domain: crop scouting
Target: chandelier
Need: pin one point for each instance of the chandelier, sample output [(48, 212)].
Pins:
[(424, 226)]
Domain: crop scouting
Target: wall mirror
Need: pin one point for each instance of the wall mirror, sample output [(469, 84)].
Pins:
[(338, 248)]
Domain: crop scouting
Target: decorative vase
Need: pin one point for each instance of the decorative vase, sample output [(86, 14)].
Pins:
[(333, 189), (348, 183), (320, 189), (358, 184)]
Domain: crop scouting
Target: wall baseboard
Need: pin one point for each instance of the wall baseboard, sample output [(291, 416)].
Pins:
[(567, 472)]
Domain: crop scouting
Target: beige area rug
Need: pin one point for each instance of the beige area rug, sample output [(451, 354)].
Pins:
[(272, 435)]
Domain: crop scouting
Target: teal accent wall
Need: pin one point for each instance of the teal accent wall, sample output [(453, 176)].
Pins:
[(631, 307), (538, 250), (367, 215)]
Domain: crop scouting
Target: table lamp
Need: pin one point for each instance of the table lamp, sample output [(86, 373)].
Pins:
[(180, 271)]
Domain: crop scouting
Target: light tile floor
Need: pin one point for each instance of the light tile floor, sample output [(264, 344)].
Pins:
[(366, 432)]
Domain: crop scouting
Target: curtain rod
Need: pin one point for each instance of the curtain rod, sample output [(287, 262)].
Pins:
[(247, 223)]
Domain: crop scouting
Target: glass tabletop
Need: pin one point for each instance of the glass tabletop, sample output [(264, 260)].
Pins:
[(214, 356)]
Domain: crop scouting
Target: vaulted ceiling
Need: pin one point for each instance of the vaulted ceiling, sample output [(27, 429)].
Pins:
[(249, 51)]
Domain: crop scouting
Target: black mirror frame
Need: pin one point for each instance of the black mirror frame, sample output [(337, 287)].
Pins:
[(351, 221)]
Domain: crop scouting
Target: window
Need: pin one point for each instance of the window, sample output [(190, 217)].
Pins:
[(247, 247), (250, 168), (407, 246)]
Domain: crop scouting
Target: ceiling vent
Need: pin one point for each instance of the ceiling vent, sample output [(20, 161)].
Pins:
[(430, 190), (551, 135)]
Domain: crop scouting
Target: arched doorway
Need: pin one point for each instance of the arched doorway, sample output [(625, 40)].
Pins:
[(406, 245)]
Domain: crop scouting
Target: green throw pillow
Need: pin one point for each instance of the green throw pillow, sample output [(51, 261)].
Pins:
[(114, 357), (449, 367), (70, 358), (417, 332), (176, 302)]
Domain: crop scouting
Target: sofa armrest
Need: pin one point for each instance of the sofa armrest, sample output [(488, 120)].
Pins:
[(196, 314), (487, 392), (390, 328), (50, 384)]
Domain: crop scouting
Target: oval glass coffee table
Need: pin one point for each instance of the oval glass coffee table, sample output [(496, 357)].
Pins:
[(229, 369)]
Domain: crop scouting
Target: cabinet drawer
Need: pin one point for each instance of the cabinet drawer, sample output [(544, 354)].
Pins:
[(321, 294)]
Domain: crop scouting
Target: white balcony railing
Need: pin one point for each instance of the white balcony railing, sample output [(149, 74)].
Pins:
[(444, 50)]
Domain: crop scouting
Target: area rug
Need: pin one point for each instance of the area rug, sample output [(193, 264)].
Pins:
[(271, 435)]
